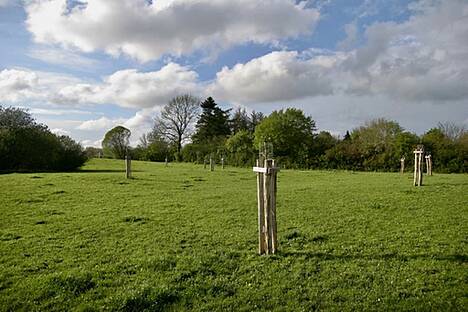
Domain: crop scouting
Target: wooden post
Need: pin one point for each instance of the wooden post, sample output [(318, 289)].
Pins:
[(418, 157), (165, 160), (266, 194), (204, 163), (261, 216), (222, 162), (211, 164), (128, 167), (402, 165), (430, 164)]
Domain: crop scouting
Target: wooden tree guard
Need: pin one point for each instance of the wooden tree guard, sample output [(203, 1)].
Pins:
[(428, 165), (211, 164), (266, 195), (402, 165), (128, 167), (418, 166)]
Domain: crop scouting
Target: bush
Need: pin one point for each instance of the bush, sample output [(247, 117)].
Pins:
[(27, 146)]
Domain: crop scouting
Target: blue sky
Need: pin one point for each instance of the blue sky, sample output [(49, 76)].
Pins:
[(82, 69)]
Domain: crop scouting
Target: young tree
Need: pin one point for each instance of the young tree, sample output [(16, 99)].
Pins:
[(213, 124), (116, 142), (176, 119)]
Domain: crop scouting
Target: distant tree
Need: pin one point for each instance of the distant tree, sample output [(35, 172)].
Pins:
[(158, 149), (376, 142), (404, 145), (116, 142), (291, 133), (213, 124), (240, 149), (93, 152), (451, 130), (28, 145), (240, 120), (71, 154), (255, 119), (321, 144), (176, 119)]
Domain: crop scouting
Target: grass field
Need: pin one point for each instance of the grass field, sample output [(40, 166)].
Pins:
[(180, 237)]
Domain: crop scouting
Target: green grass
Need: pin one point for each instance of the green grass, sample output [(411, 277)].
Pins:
[(180, 238)]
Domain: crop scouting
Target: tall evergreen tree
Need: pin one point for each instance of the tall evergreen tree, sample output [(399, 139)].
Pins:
[(213, 123)]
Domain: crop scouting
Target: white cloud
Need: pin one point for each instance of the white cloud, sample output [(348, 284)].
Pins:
[(125, 88), (16, 84), (130, 88), (60, 131), (277, 76), (138, 124), (102, 123), (422, 59), (176, 27)]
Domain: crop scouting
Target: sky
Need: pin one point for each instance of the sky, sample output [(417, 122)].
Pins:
[(83, 67)]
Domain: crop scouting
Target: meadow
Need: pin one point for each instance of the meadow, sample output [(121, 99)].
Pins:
[(184, 238)]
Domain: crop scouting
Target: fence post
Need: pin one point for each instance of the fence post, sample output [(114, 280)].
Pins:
[(402, 165), (128, 167), (266, 195)]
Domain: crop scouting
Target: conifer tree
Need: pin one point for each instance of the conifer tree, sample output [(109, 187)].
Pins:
[(213, 123)]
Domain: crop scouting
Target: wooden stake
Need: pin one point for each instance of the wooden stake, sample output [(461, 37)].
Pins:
[(204, 163), (274, 240), (222, 162), (267, 205), (402, 165), (430, 164), (128, 167), (165, 160), (418, 158), (211, 164), (261, 212), (266, 195)]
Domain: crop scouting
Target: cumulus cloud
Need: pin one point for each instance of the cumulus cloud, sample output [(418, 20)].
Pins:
[(148, 30), (126, 88), (130, 88), (16, 84), (102, 123), (138, 124), (422, 59), (277, 76)]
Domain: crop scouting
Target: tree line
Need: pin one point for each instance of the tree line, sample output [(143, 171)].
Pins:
[(191, 130), (26, 145)]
